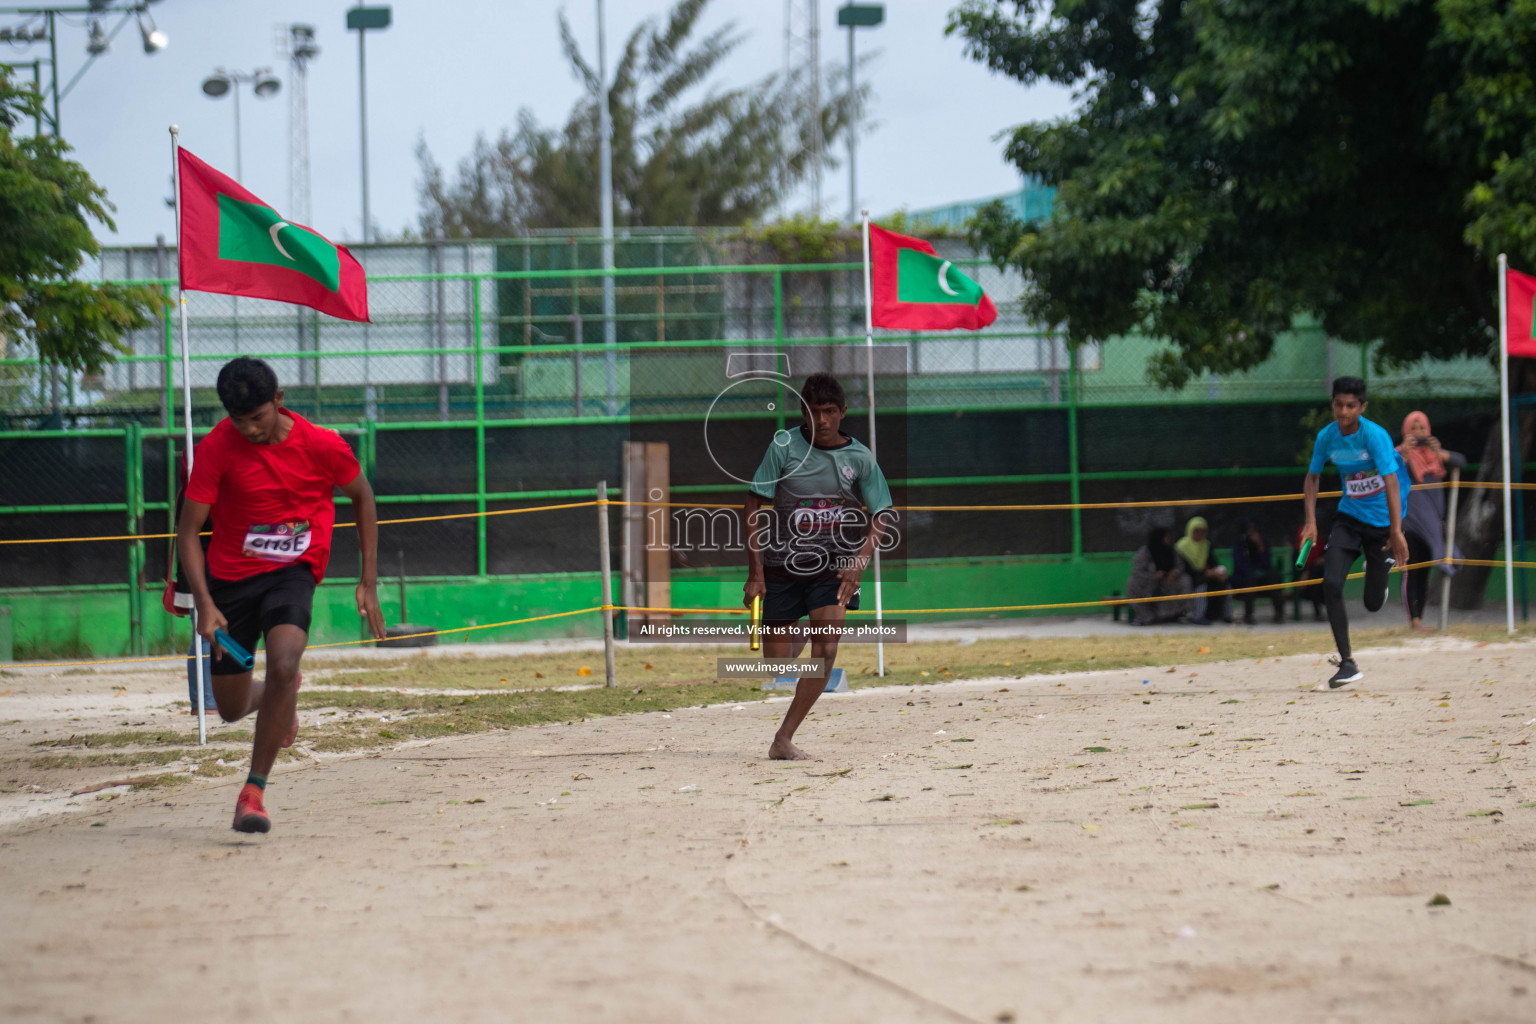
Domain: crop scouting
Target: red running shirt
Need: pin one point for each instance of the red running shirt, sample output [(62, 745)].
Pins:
[(273, 504)]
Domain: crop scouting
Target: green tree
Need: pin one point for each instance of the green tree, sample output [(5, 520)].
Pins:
[(1234, 163), (47, 203), (679, 158)]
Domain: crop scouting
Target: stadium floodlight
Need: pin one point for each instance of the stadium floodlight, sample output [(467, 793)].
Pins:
[(43, 22), (97, 44), (154, 39), (227, 83), (266, 83)]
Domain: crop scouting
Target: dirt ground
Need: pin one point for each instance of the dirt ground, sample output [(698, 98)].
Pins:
[(1211, 842)]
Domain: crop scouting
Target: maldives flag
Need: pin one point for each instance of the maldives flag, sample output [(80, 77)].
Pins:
[(235, 244), (1520, 295), (915, 289)]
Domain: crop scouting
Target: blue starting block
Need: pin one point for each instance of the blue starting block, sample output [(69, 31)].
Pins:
[(837, 682)]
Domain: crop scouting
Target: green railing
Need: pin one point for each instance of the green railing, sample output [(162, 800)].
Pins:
[(1027, 417)]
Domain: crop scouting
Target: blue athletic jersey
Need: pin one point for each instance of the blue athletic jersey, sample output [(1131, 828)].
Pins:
[(1364, 459)]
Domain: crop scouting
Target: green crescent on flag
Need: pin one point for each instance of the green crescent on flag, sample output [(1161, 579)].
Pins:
[(924, 278), (254, 233)]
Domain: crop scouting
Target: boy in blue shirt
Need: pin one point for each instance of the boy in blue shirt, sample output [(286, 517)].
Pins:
[(1370, 513)]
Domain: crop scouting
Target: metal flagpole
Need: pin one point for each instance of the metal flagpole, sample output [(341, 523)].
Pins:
[(869, 379), (1509, 539), (186, 401)]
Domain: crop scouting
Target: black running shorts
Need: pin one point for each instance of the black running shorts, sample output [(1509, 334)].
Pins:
[(252, 606), (791, 598)]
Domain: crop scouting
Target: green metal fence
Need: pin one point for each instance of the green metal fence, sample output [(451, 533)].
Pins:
[(500, 386)]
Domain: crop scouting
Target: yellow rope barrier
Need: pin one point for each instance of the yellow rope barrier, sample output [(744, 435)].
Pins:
[(894, 612), (1061, 507)]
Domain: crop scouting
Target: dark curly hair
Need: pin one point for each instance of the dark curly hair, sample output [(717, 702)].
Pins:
[(246, 384), (821, 388)]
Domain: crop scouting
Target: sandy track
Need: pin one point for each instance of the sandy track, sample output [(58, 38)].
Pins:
[(687, 879)]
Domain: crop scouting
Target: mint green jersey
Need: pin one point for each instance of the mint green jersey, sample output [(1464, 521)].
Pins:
[(822, 500)]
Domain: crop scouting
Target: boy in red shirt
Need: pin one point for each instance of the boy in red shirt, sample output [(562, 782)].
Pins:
[(271, 474)]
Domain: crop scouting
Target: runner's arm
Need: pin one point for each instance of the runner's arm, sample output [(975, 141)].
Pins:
[(851, 575), (365, 511), (1397, 543), (189, 546), (755, 586), (1309, 505)]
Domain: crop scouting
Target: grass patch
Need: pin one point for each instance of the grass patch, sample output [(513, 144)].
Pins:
[(64, 762), (432, 716), (684, 676), (905, 663), (132, 738)]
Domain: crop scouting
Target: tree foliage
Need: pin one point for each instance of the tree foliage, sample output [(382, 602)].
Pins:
[(679, 158), (47, 202), (1235, 163)]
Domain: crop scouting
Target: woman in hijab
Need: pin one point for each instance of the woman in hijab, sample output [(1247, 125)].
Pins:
[(1155, 573), (1424, 518), (1203, 572)]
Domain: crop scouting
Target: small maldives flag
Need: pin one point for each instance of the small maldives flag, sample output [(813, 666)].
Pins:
[(235, 244), (1521, 297), (914, 289)]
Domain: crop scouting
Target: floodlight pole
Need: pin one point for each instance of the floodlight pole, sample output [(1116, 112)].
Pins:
[(854, 16), (239, 162), (605, 210), (362, 118), (362, 19)]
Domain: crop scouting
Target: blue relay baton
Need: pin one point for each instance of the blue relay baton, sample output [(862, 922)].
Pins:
[(233, 649)]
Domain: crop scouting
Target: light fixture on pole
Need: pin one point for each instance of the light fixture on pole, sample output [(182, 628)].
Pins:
[(227, 83), (97, 42), (154, 39), (362, 19), (855, 16)]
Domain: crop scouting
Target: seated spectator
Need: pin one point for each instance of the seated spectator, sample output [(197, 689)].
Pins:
[(1155, 572), (1253, 565), (1204, 573)]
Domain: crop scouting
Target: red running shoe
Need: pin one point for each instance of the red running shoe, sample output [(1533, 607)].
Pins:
[(250, 815), (293, 730)]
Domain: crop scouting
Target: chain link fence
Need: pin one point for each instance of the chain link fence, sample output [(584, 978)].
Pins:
[(490, 379)]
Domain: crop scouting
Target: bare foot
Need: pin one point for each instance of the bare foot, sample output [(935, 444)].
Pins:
[(783, 750), (1419, 627)]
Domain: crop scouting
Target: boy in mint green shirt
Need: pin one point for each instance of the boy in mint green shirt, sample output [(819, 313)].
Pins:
[(807, 549)]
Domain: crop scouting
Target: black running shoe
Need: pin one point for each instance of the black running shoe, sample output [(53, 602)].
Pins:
[(1346, 674)]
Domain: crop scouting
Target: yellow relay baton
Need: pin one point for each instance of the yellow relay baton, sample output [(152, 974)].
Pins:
[(755, 633)]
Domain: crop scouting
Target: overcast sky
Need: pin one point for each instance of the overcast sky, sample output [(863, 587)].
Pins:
[(448, 69)]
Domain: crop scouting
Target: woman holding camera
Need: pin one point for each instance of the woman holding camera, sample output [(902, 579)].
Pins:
[(1424, 518)]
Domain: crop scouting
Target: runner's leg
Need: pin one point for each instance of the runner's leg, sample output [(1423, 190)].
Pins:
[(1378, 566), (809, 688), (237, 695), (1343, 548), (279, 695)]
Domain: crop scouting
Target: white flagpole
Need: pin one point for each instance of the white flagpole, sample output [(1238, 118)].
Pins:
[(186, 401), (1509, 528), (869, 379)]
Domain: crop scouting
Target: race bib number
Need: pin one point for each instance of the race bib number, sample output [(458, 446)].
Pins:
[(285, 542), (816, 514), (1363, 485)]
